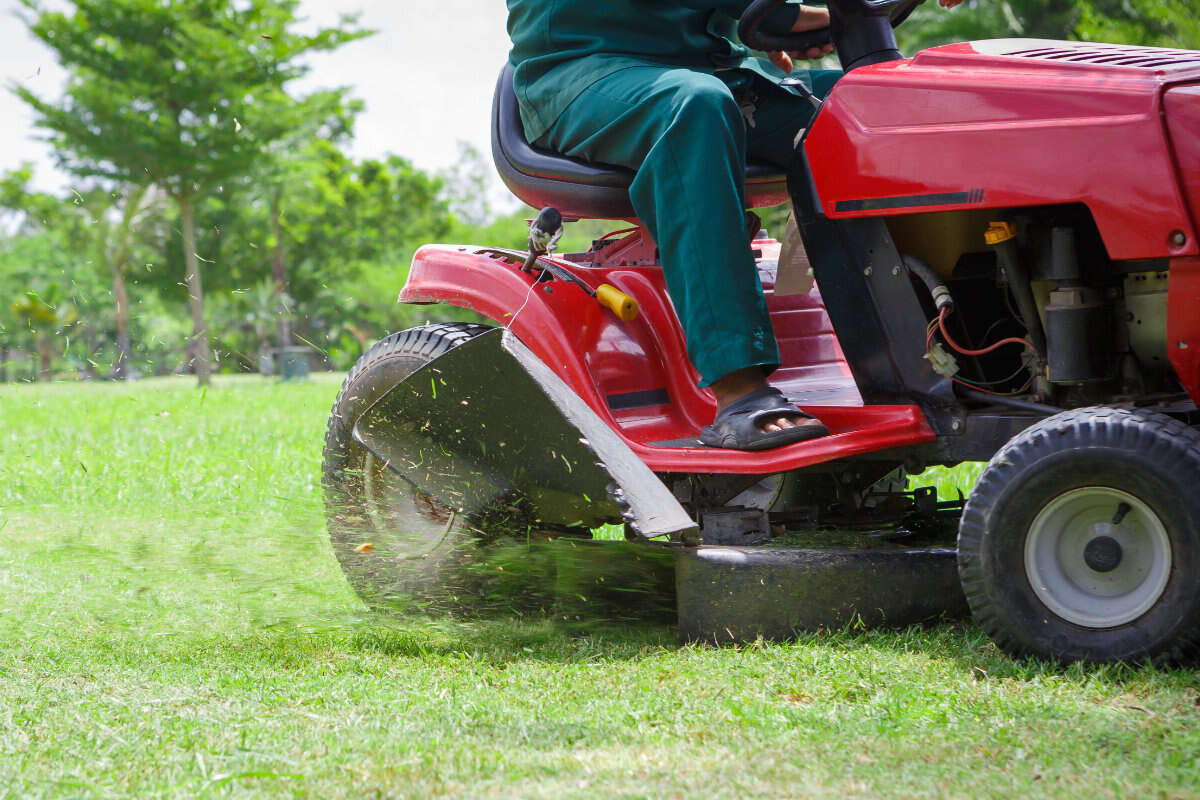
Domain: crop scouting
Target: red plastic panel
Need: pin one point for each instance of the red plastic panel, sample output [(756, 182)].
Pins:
[(1183, 323), (854, 430), (623, 370), (967, 126), (813, 368), (557, 320)]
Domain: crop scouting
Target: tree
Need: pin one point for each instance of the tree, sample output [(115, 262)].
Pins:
[(329, 119), (182, 94), (1160, 23), (96, 230), (49, 250), (989, 19), (465, 186), (44, 315), (122, 248)]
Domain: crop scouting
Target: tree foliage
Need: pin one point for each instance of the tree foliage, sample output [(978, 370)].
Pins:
[(1157, 23), (182, 94), (1160, 23)]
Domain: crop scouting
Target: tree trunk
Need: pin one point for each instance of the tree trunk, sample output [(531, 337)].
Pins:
[(199, 346), (121, 298), (279, 273), (45, 348), (120, 260), (3, 363)]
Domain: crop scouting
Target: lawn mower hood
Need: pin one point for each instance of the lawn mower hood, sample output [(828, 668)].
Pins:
[(489, 430)]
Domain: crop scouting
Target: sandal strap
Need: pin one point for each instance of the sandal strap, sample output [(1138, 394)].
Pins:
[(760, 403), (736, 425)]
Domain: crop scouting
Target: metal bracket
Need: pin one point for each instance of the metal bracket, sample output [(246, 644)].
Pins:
[(735, 526)]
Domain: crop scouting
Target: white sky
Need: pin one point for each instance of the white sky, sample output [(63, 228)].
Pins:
[(426, 77)]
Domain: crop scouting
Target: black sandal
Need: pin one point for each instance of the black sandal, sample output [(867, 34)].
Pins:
[(736, 425)]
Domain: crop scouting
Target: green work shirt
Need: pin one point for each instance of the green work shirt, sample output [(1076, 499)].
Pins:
[(560, 47)]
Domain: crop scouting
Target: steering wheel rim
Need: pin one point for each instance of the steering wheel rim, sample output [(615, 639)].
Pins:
[(749, 25)]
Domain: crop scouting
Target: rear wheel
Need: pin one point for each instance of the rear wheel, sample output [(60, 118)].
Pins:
[(1082, 539)]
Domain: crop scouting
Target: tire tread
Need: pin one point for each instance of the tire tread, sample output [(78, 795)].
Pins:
[(1176, 449)]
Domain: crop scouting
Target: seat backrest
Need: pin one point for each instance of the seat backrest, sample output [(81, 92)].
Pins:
[(541, 178)]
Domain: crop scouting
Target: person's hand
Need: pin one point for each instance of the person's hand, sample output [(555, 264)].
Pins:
[(810, 19)]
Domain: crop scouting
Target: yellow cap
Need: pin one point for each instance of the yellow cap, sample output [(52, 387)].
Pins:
[(999, 232)]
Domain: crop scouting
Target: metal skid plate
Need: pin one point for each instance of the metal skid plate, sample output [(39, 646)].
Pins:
[(490, 431), (737, 594)]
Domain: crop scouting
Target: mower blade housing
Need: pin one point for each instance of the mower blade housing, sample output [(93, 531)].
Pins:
[(492, 432)]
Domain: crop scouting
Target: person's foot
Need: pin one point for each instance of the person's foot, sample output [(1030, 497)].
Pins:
[(738, 384), (756, 416)]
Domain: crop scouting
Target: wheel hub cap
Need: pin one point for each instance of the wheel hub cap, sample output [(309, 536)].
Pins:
[(1103, 554), (414, 525), (1098, 557)]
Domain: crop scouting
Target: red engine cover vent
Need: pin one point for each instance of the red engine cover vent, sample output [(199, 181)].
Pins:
[(1156, 58)]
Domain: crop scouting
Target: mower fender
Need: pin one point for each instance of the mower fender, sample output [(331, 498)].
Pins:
[(490, 282), (486, 281), (490, 431)]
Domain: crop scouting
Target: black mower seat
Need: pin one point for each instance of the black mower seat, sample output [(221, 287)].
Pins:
[(579, 188)]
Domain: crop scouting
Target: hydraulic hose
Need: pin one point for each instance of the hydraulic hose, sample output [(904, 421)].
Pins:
[(1022, 290), (933, 281)]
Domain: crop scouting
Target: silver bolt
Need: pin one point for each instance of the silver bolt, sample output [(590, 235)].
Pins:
[(868, 272), (896, 270), (956, 425), (1183, 345), (1178, 238)]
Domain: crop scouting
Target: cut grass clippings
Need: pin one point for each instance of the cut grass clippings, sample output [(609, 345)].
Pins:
[(173, 623)]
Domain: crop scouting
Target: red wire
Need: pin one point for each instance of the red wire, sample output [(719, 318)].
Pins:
[(610, 234), (946, 335), (941, 325)]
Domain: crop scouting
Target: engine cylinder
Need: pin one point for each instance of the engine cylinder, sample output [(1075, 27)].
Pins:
[(1079, 335)]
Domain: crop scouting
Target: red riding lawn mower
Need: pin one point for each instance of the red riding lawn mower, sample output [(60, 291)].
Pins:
[(1003, 236)]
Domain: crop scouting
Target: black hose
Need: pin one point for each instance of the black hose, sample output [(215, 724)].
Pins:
[(1001, 400), (1022, 291), (933, 282)]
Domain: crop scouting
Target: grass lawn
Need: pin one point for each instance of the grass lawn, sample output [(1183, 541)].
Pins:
[(173, 623)]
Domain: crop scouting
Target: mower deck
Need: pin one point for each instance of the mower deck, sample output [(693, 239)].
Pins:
[(738, 594)]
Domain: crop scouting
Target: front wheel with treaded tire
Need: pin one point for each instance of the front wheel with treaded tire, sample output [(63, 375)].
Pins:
[(1081, 541)]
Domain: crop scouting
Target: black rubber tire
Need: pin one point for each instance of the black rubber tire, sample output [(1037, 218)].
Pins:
[(1151, 457), (399, 548)]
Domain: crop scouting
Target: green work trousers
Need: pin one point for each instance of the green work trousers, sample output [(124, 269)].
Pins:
[(688, 134)]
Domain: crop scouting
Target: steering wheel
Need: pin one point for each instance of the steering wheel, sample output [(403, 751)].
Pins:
[(842, 14)]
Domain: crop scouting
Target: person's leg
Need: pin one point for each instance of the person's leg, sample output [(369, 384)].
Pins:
[(779, 115), (685, 135)]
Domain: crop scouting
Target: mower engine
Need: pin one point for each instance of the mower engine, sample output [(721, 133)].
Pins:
[(1093, 330)]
